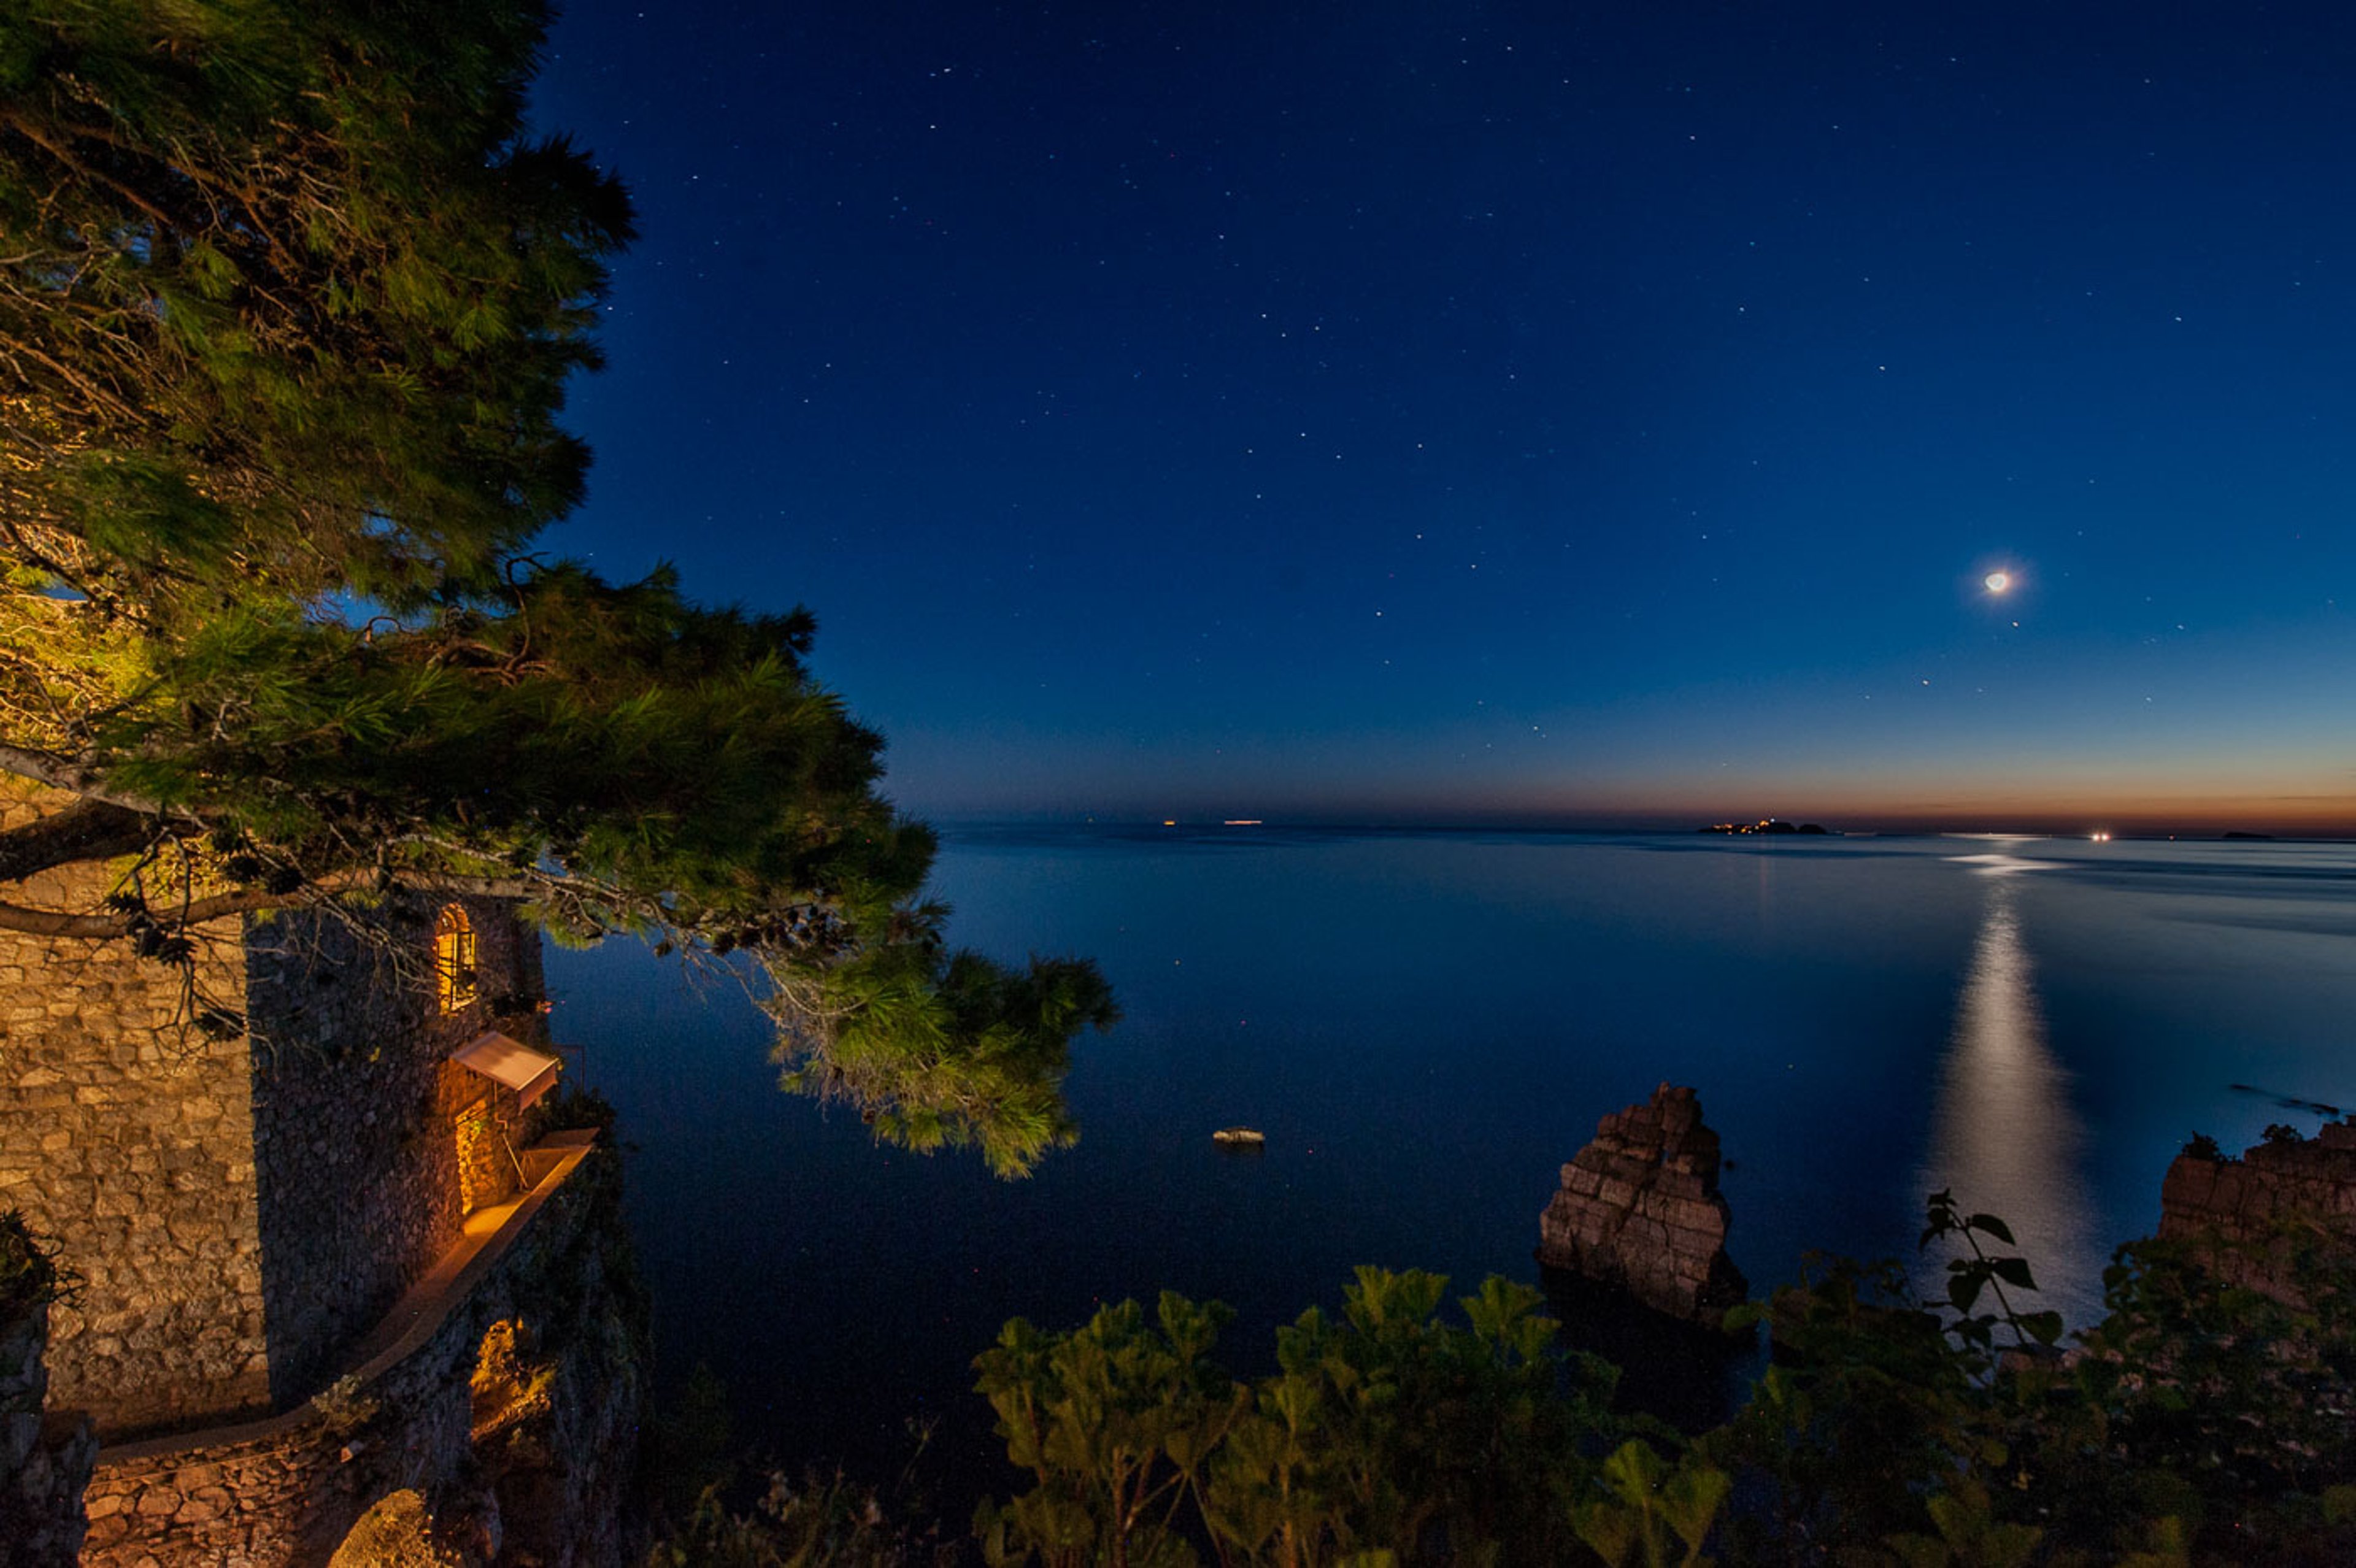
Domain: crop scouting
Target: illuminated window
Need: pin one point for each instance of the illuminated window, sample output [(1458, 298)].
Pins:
[(453, 960)]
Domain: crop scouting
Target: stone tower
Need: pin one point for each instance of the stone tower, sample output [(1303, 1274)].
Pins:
[(241, 1207)]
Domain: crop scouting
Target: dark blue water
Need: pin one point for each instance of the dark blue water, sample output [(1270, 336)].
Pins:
[(1426, 1026)]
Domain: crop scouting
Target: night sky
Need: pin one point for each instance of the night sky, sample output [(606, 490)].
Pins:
[(1576, 413)]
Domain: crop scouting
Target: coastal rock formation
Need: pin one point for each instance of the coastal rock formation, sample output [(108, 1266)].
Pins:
[(2247, 1202), (1639, 1209)]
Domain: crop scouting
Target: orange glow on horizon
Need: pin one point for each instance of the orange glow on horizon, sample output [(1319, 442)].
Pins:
[(2074, 806)]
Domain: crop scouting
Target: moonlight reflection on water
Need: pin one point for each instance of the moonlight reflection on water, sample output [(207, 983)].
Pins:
[(1427, 1025), (2003, 1135)]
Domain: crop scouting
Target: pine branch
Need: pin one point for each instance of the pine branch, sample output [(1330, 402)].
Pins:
[(102, 927), (86, 830), (79, 779)]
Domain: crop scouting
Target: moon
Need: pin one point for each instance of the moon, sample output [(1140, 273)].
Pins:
[(1997, 581)]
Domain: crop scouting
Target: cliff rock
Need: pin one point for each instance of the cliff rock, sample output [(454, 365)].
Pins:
[(2253, 1203), (1639, 1209)]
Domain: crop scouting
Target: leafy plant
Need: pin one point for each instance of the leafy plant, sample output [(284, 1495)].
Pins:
[(1870, 1406), (1969, 1534), (1114, 1421), (1386, 1435), (1647, 1504), (346, 1406), (1969, 1277), (825, 1521), (2210, 1417)]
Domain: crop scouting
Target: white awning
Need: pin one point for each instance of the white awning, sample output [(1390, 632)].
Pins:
[(531, 1074)]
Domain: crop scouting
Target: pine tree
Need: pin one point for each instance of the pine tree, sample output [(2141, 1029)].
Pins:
[(289, 300)]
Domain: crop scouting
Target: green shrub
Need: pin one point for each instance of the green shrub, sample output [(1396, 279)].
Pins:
[(1386, 1436), (2203, 1421)]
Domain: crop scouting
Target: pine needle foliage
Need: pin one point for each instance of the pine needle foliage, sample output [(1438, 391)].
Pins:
[(289, 300)]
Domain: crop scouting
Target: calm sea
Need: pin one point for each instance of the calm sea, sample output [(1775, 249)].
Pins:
[(1427, 1025)]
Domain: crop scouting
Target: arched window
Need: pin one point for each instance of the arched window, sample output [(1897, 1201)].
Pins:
[(454, 985)]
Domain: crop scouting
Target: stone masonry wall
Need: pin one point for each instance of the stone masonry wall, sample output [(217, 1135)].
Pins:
[(44, 1463), (1639, 1209), (487, 1166), (238, 1210), (287, 1498), (355, 1119), (129, 1141), (2246, 1201)]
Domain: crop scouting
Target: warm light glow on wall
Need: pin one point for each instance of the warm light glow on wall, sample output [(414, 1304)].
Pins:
[(477, 1182), (453, 960)]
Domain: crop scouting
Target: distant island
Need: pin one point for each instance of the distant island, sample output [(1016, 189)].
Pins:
[(1764, 825)]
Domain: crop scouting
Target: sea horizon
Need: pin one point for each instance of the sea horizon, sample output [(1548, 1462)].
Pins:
[(1312, 823), (1426, 1022)]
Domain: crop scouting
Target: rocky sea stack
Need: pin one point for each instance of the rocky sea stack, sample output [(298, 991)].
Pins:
[(1639, 1210)]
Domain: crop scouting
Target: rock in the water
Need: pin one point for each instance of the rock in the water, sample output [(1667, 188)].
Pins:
[(2241, 1214), (1640, 1210)]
